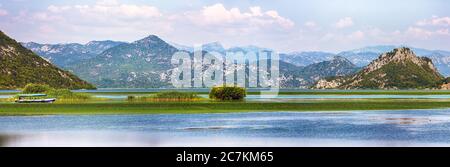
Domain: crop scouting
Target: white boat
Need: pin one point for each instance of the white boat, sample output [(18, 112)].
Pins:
[(31, 98), (51, 100)]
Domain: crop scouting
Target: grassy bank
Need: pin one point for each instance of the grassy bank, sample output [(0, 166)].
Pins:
[(300, 92), (215, 107), (315, 92)]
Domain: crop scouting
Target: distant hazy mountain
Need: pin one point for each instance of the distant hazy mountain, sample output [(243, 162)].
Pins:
[(248, 48), (306, 58), (142, 64), (305, 77), (67, 54), (363, 56), (146, 62), (20, 66), (218, 47), (397, 69), (182, 47), (213, 47)]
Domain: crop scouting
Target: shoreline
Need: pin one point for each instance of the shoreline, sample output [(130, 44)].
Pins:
[(282, 92), (119, 108)]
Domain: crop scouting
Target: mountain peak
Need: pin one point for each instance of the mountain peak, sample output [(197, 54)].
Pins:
[(213, 46), (339, 58), (150, 39), (95, 42), (216, 43), (401, 51), (399, 55)]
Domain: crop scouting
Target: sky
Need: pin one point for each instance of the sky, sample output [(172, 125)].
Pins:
[(283, 25)]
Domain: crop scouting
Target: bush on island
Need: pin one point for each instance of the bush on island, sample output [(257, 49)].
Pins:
[(35, 88), (227, 93)]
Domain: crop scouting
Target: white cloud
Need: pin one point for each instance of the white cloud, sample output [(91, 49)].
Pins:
[(108, 19), (310, 24), (443, 32), (120, 20), (357, 35), (117, 20), (3, 12), (217, 14), (435, 21), (256, 10), (344, 22), (58, 9), (422, 33), (112, 9), (418, 32)]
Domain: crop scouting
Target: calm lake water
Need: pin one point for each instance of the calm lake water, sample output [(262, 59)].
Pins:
[(352, 128)]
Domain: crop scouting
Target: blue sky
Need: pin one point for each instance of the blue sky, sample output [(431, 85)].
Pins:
[(284, 25)]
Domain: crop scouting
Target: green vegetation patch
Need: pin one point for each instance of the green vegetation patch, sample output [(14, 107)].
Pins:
[(227, 93), (36, 88), (62, 95), (167, 96)]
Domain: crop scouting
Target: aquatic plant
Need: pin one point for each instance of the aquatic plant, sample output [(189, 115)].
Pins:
[(67, 94), (170, 96)]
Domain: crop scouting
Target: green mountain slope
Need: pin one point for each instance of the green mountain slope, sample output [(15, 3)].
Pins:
[(305, 77), (398, 69), (142, 64), (20, 66)]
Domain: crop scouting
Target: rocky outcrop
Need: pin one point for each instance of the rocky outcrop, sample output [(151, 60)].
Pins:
[(398, 69), (325, 84)]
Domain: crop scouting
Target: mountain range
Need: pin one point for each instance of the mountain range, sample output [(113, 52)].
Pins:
[(20, 66), (304, 77), (141, 64), (71, 53), (146, 62)]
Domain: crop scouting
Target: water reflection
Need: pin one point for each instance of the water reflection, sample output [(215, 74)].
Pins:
[(355, 128)]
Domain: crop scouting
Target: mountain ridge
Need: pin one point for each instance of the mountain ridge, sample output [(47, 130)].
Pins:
[(295, 62), (69, 53), (20, 66), (142, 63)]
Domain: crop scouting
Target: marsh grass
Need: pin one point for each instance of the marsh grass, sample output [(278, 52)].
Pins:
[(61, 95), (312, 92), (7, 99), (67, 94)]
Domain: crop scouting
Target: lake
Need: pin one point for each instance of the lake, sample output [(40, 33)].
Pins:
[(335, 128)]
